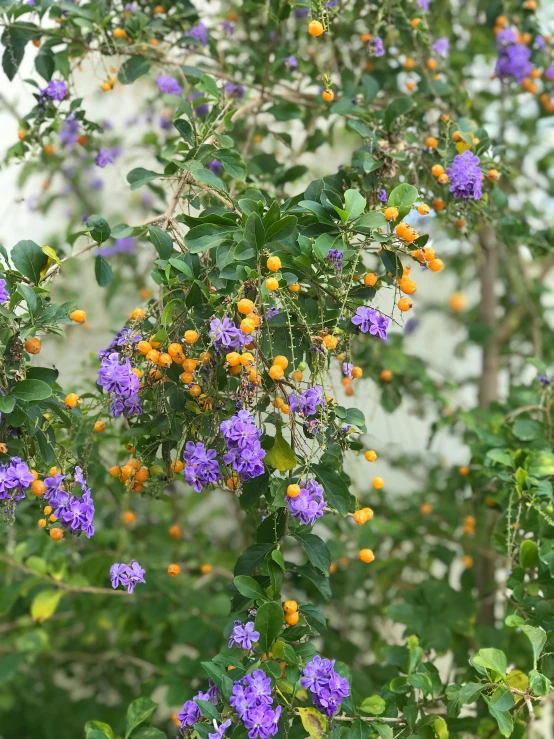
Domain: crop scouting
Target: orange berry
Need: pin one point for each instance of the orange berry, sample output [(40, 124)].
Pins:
[(128, 517), (293, 491), (404, 304), (292, 618), (410, 85), (246, 359), (273, 264), (369, 513), (159, 9), (456, 137), (119, 33), (247, 326), (467, 561), (365, 38), (175, 351), (436, 265), (153, 356), (276, 372), (78, 316), (277, 402), (391, 214), (233, 482), (407, 286), (126, 471), (328, 95), (33, 346), (437, 170), (272, 283), (205, 569), (290, 606), (191, 336), (56, 534), (370, 278), (297, 376), (431, 65), (234, 370), (233, 359), (360, 517), (205, 357), (21, 134), (426, 509), (165, 360), (464, 470), (100, 426), (143, 347), (173, 570), (493, 175), (48, 510), (438, 204), (386, 375), (370, 455), (315, 28), (285, 408), (138, 314), (189, 365), (281, 361), (378, 483), (48, 149), (409, 63), (457, 302), (72, 400), (142, 474), (137, 487), (331, 342), (423, 209), (431, 142), (245, 306), (349, 391), (177, 466), (366, 555), (295, 287), (154, 344), (38, 488), (357, 372), (34, 473), (175, 531), (332, 568), (195, 390), (115, 471), (42, 523), (443, 179)]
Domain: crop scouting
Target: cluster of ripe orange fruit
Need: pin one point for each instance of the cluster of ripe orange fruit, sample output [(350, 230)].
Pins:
[(38, 488), (133, 473), (290, 607), (469, 525)]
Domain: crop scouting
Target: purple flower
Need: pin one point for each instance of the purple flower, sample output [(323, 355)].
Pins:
[(291, 62), (441, 46), (225, 335), (327, 687), (219, 730), (118, 378), (202, 109), (271, 312), (382, 195), (168, 85), (544, 380), (243, 636), (514, 61), (306, 403), (309, 505), (233, 90), (410, 326), (423, 4), (244, 451), (199, 33), (549, 72), (506, 37), (216, 167), (190, 712), (301, 13), (377, 46), (228, 27), (4, 294), (465, 176), (251, 698), (262, 721), (347, 368), (54, 90), (335, 256), (540, 42), (127, 575), (126, 335), (15, 478), (369, 321), (69, 132), (104, 157), (202, 467), (125, 245)]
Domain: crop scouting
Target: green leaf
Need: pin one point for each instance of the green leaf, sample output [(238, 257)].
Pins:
[(132, 69), (249, 587), (539, 683), (397, 108), (490, 659), (186, 130), (29, 259), (254, 231), (370, 221), (314, 722), (527, 429), (99, 229), (252, 557), (45, 603), (269, 622), (162, 241), (358, 730), (206, 236), (501, 456), (528, 554), (103, 271), (355, 204), (15, 43), (281, 229), (207, 709), (537, 637), (499, 707), (317, 551), (391, 262), (403, 195), (374, 705), (336, 489), (7, 403), (98, 730), (281, 456), (29, 390), (139, 176), (138, 712), (232, 163), (29, 295)]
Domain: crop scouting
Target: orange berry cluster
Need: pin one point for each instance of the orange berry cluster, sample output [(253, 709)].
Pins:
[(133, 473)]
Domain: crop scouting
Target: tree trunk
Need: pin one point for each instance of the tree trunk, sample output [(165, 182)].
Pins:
[(488, 393)]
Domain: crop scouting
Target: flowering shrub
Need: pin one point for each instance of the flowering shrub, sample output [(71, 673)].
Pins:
[(212, 448)]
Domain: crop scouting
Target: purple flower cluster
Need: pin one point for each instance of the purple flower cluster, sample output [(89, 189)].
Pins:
[(168, 85), (441, 46), (377, 46), (199, 33), (216, 167), (125, 245), (242, 438), (202, 109), (127, 575), (309, 505), (105, 157), (513, 57), (549, 72), (120, 339), (307, 403), (233, 90), (335, 257), (4, 294), (370, 321), (252, 700), (54, 90), (291, 62), (69, 132), (119, 379), (202, 467), (225, 335), (228, 27), (75, 513), (190, 712), (243, 636), (15, 478), (327, 687), (465, 176)]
